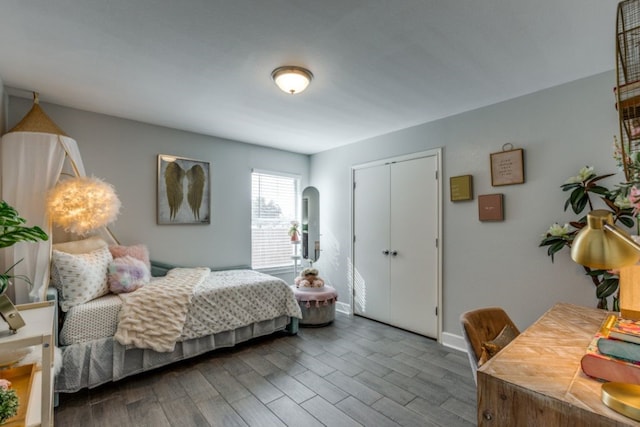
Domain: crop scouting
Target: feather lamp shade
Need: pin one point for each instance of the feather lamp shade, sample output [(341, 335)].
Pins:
[(83, 204)]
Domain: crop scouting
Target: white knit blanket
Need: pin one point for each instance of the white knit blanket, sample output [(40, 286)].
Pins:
[(154, 315)]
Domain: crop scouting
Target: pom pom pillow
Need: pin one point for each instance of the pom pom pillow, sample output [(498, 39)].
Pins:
[(136, 251), (126, 274), (82, 277)]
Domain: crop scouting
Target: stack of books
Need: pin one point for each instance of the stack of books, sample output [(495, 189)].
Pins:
[(614, 352)]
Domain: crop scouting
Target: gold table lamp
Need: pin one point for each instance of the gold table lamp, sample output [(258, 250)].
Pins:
[(602, 245)]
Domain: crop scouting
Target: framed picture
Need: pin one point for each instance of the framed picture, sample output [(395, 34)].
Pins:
[(490, 207), (507, 167), (461, 188), (184, 191)]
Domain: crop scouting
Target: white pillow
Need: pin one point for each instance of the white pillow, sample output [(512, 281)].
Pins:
[(83, 277), (74, 247)]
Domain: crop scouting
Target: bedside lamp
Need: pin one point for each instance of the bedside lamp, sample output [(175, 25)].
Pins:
[(602, 245), (83, 204)]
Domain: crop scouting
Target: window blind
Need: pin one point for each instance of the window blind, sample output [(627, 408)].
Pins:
[(274, 205)]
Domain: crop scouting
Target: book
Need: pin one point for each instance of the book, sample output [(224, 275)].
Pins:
[(619, 349), (605, 367), (622, 329)]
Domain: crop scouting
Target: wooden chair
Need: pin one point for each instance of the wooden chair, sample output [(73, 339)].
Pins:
[(481, 326)]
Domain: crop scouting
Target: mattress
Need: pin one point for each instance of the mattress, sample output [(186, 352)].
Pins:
[(92, 320), (225, 301)]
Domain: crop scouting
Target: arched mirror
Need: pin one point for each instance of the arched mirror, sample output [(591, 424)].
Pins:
[(311, 224)]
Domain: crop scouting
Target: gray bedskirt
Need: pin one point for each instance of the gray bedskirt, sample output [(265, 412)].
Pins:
[(101, 361)]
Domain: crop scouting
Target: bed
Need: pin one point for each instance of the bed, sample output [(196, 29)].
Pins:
[(109, 337)]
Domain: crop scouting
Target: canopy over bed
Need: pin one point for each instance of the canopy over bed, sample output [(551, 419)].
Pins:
[(33, 155)]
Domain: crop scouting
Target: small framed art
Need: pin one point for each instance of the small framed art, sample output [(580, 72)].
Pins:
[(507, 167), (183, 191), (490, 207), (461, 188)]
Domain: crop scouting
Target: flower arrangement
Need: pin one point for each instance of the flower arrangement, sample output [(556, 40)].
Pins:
[(8, 401), (585, 189), (294, 232)]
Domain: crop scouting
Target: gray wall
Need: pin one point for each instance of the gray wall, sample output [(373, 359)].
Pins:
[(561, 129), (124, 153)]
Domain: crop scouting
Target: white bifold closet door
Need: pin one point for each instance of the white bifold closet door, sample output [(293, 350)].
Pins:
[(395, 244)]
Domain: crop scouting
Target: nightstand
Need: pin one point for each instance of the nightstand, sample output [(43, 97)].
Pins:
[(38, 331)]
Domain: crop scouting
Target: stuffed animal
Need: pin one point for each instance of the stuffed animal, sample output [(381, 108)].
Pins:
[(308, 278)]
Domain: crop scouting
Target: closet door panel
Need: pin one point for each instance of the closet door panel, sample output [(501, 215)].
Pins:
[(371, 231), (413, 233)]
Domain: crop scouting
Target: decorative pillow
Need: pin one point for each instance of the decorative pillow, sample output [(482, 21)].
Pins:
[(74, 247), (491, 348), (137, 251), (83, 277), (126, 274)]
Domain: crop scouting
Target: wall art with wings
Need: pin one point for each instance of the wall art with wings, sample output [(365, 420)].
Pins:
[(184, 195)]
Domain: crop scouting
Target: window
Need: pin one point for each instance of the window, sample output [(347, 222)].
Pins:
[(274, 205)]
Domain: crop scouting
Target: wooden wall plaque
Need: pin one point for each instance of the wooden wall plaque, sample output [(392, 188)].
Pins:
[(490, 207), (461, 188)]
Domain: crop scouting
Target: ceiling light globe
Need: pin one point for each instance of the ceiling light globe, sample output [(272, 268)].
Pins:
[(292, 79)]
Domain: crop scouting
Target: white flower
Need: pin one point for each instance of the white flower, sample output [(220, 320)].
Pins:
[(623, 202), (558, 230), (584, 174)]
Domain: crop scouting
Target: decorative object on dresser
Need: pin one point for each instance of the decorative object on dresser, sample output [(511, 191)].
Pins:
[(172, 205)]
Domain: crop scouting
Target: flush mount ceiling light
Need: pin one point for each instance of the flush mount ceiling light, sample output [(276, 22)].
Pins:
[(292, 79)]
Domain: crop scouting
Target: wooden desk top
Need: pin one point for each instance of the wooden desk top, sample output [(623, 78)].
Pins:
[(545, 361)]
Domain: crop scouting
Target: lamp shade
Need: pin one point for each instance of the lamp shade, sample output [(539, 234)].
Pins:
[(83, 204), (602, 245), (292, 79)]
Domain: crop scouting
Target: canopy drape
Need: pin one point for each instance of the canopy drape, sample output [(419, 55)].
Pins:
[(31, 164)]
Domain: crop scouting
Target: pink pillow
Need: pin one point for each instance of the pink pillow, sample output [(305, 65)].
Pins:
[(136, 251), (126, 274)]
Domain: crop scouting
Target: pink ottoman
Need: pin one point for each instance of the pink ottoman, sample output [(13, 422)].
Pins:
[(318, 305)]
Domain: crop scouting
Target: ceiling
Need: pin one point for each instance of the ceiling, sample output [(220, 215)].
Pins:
[(379, 65)]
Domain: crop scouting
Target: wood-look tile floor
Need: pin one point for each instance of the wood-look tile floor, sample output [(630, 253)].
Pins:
[(354, 372)]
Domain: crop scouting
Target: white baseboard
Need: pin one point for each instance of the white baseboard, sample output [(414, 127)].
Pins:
[(343, 307), (454, 341)]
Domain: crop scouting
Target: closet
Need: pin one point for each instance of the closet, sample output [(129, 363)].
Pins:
[(396, 214)]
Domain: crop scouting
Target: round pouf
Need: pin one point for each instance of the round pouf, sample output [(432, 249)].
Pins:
[(318, 305)]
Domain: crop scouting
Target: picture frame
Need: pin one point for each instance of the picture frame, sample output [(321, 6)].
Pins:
[(183, 191), (491, 207), (507, 167), (461, 188)]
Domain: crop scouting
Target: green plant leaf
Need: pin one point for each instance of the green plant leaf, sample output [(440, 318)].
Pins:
[(628, 222), (606, 288)]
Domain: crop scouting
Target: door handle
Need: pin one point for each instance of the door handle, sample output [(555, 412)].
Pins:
[(394, 253), (385, 252)]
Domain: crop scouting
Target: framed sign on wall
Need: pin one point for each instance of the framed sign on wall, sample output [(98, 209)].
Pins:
[(461, 188), (507, 166)]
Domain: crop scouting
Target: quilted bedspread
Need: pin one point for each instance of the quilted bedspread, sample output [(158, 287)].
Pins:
[(230, 299)]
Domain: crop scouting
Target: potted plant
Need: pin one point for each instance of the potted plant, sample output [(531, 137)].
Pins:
[(585, 189), (8, 401), (12, 231)]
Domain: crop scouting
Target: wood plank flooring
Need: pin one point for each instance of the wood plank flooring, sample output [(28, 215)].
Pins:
[(354, 372)]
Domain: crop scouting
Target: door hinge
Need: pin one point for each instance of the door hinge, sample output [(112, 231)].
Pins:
[(436, 311), (354, 185), (436, 242), (436, 175), (354, 238)]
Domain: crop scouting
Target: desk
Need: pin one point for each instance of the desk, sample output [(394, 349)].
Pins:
[(537, 381)]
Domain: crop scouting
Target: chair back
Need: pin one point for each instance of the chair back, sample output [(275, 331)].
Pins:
[(480, 326)]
